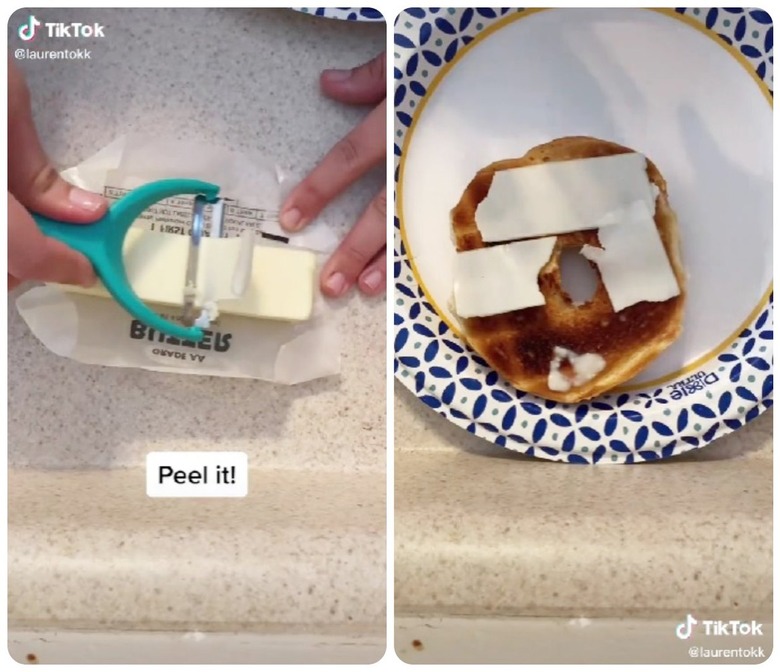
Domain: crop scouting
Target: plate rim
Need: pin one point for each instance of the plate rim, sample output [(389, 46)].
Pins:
[(328, 13)]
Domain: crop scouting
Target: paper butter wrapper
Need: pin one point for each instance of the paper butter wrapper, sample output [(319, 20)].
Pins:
[(96, 330)]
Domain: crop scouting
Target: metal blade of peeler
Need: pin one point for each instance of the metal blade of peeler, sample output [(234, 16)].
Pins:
[(190, 314)]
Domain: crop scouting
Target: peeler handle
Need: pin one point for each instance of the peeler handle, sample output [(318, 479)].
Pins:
[(102, 242)]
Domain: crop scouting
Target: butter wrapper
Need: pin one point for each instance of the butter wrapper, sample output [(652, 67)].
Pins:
[(96, 330)]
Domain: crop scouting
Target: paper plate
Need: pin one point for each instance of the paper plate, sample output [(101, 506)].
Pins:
[(343, 13), (689, 88)]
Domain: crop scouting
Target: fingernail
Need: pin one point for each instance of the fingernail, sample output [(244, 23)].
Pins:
[(291, 219), (373, 279), (336, 284), (85, 200), (338, 75)]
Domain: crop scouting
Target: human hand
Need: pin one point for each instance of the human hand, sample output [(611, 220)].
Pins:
[(35, 186), (361, 256)]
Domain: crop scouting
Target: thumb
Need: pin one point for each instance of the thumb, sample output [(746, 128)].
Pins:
[(32, 179), (33, 256), (364, 85)]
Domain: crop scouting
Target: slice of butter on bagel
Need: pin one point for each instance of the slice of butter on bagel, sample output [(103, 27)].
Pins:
[(561, 350)]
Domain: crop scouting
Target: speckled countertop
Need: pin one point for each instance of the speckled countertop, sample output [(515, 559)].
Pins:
[(480, 530), (307, 547)]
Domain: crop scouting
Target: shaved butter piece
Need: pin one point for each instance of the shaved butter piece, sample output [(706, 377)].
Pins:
[(277, 282), (585, 368), (242, 274), (224, 267), (209, 314), (500, 279), (564, 196), (633, 263)]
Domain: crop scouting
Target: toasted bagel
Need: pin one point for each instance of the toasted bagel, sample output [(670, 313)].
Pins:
[(520, 345)]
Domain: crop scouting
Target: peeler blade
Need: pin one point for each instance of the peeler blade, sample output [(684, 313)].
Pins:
[(190, 314)]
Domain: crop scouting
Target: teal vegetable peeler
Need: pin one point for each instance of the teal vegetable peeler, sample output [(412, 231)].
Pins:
[(102, 243)]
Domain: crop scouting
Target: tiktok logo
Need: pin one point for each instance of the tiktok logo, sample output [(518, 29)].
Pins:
[(27, 30), (685, 629)]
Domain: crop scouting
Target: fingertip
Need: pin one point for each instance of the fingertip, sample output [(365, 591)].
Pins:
[(291, 219), (353, 87), (74, 206), (341, 92), (372, 282), (334, 76), (334, 284), (87, 202)]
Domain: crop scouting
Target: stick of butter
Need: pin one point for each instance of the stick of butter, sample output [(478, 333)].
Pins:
[(280, 287)]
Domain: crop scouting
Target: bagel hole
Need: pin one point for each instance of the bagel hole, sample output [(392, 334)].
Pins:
[(578, 278)]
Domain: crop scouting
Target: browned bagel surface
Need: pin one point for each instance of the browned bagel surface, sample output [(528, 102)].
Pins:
[(519, 345)]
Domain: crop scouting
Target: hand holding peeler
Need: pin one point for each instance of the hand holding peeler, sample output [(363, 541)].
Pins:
[(102, 243)]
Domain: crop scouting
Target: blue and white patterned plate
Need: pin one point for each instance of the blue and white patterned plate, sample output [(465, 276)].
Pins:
[(692, 89), (343, 13)]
